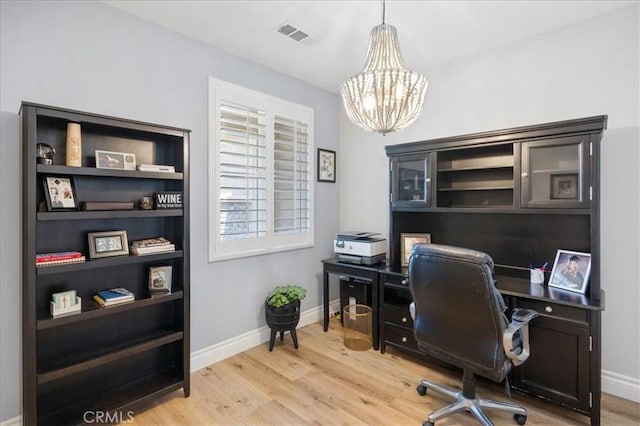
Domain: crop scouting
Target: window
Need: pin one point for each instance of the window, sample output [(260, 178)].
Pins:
[(260, 173)]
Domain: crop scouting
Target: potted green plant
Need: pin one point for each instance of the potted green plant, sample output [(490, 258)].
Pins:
[(282, 310)]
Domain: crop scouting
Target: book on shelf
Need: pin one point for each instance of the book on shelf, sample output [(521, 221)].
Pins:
[(58, 262), (114, 296), (151, 242), (59, 255), (141, 251), (156, 168)]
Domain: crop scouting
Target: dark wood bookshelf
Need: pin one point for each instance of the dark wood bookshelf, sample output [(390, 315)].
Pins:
[(113, 358)]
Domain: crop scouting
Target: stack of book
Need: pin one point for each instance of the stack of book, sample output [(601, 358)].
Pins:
[(151, 246), (59, 258), (155, 168), (113, 297)]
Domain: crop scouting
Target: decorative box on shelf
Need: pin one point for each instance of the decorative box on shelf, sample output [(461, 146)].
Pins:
[(69, 310)]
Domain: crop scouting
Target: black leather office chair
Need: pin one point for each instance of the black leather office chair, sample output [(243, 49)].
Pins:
[(459, 318)]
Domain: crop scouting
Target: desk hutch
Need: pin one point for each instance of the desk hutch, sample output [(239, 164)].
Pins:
[(494, 192), (102, 362)]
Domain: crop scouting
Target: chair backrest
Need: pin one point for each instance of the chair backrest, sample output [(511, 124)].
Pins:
[(459, 314)]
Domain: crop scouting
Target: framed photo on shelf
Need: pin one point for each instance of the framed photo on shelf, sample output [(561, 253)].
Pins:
[(407, 241), (115, 160), (564, 186), (59, 193), (326, 165), (160, 278), (107, 244), (571, 271)]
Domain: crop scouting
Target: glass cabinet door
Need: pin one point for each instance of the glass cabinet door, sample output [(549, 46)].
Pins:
[(411, 181), (556, 173)]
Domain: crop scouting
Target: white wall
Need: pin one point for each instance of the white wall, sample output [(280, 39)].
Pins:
[(91, 57), (585, 69)]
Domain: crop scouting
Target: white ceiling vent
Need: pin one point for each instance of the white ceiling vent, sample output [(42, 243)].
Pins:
[(295, 33)]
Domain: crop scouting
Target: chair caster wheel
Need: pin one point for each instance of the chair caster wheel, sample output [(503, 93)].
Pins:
[(520, 419), (427, 423), (422, 390)]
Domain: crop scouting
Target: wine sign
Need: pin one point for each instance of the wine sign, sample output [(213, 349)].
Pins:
[(169, 200)]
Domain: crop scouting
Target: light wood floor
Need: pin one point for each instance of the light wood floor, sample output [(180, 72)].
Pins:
[(324, 383)]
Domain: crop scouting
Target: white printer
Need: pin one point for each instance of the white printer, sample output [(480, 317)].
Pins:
[(360, 248)]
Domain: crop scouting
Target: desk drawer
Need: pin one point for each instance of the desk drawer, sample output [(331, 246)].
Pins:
[(395, 279), (398, 315), (554, 310), (400, 336)]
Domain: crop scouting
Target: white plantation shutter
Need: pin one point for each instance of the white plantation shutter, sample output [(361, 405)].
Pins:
[(242, 205), (291, 176), (260, 173)]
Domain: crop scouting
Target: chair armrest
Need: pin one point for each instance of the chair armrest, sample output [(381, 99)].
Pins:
[(412, 310), (519, 325)]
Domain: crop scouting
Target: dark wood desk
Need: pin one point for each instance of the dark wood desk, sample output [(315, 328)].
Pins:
[(361, 272), (568, 324)]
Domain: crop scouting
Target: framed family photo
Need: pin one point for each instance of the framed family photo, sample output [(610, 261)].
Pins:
[(107, 244), (407, 241), (59, 193), (326, 165), (571, 271)]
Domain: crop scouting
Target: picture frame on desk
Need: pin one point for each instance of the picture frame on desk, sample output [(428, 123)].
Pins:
[(571, 271), (59, 193), (107, 244), (407, 241)]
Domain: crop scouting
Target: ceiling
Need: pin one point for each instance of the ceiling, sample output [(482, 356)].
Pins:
[(431, 33)]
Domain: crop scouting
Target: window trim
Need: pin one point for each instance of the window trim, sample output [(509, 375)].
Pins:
[(271, 243)]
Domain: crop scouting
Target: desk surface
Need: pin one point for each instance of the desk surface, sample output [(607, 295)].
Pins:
[(517, 286)]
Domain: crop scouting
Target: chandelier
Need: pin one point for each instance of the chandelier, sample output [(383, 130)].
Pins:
[(385, 96)]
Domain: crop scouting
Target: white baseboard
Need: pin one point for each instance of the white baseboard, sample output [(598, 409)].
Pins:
[(250, 339), (623, 386)]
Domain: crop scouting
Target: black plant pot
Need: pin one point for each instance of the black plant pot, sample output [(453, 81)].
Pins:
[(281, 319)]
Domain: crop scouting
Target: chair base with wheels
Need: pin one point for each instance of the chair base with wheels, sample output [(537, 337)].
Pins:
[(466, 400)]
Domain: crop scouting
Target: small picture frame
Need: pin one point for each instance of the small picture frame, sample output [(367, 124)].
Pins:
[(407, 241), (564, 186), (59, 193), (571, 271), (64, 299), (160, 278), (107, 244), (326, 165), (115, 160)]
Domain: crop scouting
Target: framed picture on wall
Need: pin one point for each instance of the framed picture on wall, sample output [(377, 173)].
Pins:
[(571, 271), (326, 165), (407, 241)]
